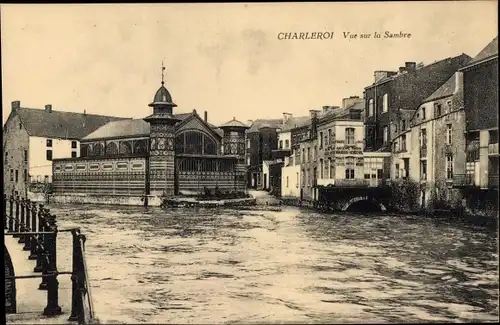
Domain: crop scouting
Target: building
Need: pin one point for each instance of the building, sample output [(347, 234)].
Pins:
[(289, 148), (32, 138), (261, 139), (164, 154), (480, 181), (436, 138), (403, 90)]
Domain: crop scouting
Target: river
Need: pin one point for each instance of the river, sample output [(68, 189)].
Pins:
[(293, 266)]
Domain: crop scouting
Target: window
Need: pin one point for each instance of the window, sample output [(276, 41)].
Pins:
[(349, 167), (449, 167), (330, 168), (248, 143), (403, 125), (385, 135), (448, 106), (12, 175), (349, 136), (287, 144), (308, 154), (423, 138), (248, 161), (73, 154), (403, 143), (315, 152), (321, 168), (321, 139), (49, 143), (73, 144), (423, 169), (297, 180), (25, 175), (25, 156), (385, 103), (287, 181), (6, 157), (17, 175), (370, 107), (330, 136), (397, 171), (380, 173), (448, 134), (437, 110), (303, 155), (48, 155), (423, 113), (281, 144)]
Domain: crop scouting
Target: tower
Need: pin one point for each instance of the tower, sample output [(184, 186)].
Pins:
[(161, 142)]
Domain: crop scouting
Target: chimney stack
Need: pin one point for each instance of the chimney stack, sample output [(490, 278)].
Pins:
[(206, 116), (15, 105), (48, 108), (411, 66), (286, 117), (459, 81), (402, 70)]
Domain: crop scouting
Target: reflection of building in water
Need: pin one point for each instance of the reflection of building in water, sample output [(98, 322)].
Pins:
[(164, 153)]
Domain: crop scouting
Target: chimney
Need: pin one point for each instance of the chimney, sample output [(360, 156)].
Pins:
[(206, 116), (15, 105), (286, 117), (314, 122), (48, 108), (402, 70), (348, 102), (459, 81), (411, 66)]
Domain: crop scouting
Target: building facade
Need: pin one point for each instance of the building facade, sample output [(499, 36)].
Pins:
[(32, 138), (164, 154), (392, 92)]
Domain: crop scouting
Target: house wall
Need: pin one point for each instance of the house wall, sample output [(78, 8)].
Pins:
[(15, 144), (40, 168), (290, 181)]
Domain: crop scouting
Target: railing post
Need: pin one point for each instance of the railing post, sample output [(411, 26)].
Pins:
[(45, 250), (11, 214), (53, 307), (16, 223), (34, 238), (27, 239), (76, 298), (22, 221), (5, 217), (40, 251)]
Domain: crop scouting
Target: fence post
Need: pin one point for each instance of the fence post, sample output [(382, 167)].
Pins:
[(16, 223), (53, 307), (45, 250), (76, 297), (5, 224), (34, 238), (11, 214), (27, 238), (40, 250), (22, 223)]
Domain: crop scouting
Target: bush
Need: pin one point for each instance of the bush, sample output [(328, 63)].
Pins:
[(405, 195)]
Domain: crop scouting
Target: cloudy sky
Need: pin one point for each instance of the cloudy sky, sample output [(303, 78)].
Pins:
[(224, 58)]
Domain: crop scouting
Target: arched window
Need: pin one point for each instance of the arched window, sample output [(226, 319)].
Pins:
[(210, 146), (140, 146), (125, 148), (98, 149), (90, 150), (195, 143), (111, 148)]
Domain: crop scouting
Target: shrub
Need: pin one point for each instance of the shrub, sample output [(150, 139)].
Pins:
[(405, 195)]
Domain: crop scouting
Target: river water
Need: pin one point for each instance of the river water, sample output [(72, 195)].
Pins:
[(293, 266)]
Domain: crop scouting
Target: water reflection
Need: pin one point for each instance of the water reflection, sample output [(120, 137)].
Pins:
[(219, 265)]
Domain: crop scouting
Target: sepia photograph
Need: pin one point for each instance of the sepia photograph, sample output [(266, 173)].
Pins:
[(250, 163)]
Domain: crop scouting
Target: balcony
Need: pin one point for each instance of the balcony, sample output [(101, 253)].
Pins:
[(423, 152), (493, 149), (464, 180), (351, 182), (493, 181)]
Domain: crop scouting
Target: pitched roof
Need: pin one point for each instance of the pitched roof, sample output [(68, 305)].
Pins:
[(58, 124), (273, 123), (132, 128), (296, 122), (489, 51), (447, 89), (234, 123)]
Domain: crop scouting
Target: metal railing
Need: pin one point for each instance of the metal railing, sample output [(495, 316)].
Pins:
[(37, 229), (493, 180), (463, 180)]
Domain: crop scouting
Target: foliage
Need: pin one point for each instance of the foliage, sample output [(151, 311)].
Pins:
[(38, 187), (405, 194), (217, 194)]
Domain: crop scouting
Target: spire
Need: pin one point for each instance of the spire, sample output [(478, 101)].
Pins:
[(162, 77)]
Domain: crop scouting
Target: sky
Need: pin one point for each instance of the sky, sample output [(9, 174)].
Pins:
[(224, 58)]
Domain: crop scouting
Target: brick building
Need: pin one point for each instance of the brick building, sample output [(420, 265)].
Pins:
[(392, 92), (32, 138)]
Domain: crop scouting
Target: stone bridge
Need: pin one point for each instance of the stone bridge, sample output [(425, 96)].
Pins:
[(335, 198)]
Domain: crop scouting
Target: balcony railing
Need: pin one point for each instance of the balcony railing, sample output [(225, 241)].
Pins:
[(493, 148), (423, 151), (351, 182), (462, 180), (493, 180)]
